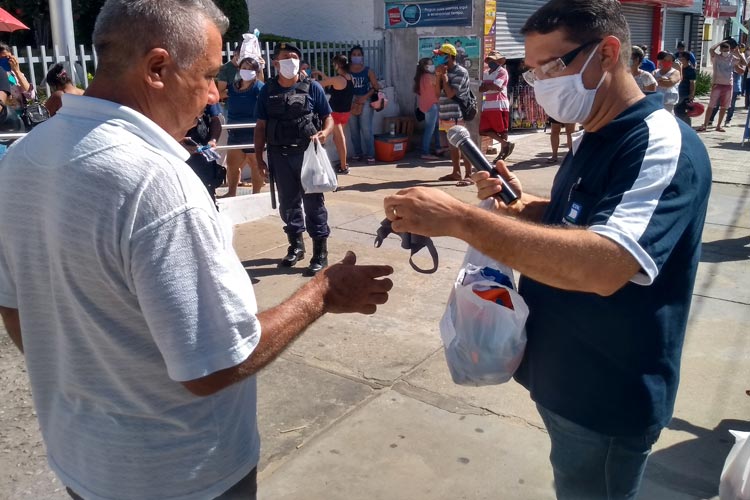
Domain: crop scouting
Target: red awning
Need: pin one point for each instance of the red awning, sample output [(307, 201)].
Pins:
[(665, 3)]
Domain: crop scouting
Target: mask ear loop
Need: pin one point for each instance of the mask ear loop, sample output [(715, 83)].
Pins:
[(586, 65)]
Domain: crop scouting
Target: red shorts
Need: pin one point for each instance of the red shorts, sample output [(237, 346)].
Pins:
[(494, 120), (340, 118), (721, 95)]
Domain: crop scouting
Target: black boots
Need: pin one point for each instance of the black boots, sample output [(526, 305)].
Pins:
[(320, 257), (295, 252)]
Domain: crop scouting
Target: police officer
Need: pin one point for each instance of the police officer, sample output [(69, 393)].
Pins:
[(291, 111)]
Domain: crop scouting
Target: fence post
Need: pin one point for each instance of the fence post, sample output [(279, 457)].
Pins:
[(30, 62), (45, 68), (83, 65)]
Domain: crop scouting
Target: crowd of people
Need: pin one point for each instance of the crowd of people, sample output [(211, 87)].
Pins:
[(139, 324), (675, 75)]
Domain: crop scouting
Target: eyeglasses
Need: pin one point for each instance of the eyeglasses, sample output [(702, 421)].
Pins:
[(555, 67), (724, 47)]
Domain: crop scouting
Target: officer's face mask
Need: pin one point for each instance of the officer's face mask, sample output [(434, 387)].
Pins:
[(289, 68)]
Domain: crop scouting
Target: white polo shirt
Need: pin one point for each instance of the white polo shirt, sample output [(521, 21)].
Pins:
[(126, 283)]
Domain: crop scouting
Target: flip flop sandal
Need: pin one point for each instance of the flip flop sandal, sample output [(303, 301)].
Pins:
[(465, 182), (342, 171)]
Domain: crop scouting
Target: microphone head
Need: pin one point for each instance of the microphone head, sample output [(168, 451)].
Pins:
[(457, 135)]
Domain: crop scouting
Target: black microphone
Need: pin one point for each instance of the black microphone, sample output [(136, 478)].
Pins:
[(460, 138)]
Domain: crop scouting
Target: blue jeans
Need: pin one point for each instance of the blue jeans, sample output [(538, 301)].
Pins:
[(592, 466), (361, 130), (431, 130)]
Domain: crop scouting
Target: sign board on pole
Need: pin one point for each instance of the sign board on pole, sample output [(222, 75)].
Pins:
[(420, 14)]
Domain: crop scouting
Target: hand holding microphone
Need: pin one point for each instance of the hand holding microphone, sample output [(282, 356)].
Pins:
[(460, 138)]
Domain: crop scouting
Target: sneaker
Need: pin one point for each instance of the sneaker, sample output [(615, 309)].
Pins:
[(356, 158), (370, 160)]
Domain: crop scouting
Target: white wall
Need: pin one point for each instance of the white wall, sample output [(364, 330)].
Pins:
[(321, 20)]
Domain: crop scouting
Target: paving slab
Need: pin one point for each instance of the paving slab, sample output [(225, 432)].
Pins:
[(296, 402), (432, 383), (397, 448)]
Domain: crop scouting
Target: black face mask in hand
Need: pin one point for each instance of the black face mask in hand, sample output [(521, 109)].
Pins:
[(409, 241)]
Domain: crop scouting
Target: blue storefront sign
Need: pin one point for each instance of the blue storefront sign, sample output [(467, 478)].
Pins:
[(419, 14)]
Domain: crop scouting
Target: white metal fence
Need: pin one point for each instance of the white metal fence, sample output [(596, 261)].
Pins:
[(319, 54), (36, 62)]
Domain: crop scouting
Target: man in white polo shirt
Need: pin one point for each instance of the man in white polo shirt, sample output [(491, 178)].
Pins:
[(119, 283)]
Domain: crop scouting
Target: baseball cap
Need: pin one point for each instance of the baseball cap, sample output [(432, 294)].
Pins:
[(494, 55), (288, 47), (446, 48)]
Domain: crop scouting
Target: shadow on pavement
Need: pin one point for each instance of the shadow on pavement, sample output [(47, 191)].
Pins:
[(733, 145), (260, 268), (534, 163), (694, 466), (366, 187), (729, 250)]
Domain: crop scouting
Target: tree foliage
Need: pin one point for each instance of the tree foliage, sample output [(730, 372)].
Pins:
[(35, 14), (236, 11)]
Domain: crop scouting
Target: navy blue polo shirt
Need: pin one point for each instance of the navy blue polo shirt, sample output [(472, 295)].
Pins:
[(611, 364)]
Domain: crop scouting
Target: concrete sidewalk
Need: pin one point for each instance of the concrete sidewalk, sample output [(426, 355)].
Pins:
[(364, 407)]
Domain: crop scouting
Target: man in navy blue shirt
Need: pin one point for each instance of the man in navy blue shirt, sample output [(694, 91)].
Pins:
[(608, 261), (291, 112)]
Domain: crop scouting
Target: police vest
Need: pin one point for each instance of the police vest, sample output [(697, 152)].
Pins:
[(290, 122)]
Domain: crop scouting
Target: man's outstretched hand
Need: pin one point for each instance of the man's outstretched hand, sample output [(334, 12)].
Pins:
[(349, 288)]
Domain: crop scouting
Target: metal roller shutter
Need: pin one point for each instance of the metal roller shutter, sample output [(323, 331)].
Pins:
[(674, 30), (511, 16), (640, 18)]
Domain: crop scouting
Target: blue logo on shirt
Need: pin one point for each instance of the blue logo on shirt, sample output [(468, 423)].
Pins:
[(573, 213)]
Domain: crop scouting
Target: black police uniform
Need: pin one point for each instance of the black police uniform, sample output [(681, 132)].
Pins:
[(291, 119)]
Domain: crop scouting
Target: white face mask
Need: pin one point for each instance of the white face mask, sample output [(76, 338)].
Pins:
[(564, 98), (430, 68), (289, 68), (248, 75)]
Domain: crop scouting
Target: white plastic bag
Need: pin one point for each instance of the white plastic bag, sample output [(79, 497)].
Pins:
[(317, 172), (484, 340), (251, 48), (735, 478)]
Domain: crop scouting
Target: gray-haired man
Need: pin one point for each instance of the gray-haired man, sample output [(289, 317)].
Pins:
[(138, 322)]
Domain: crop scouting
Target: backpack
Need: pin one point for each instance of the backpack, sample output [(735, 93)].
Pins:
[(468, 105), (33, 114)]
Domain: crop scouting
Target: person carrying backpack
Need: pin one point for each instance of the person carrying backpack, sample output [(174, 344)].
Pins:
[(452, 85)]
